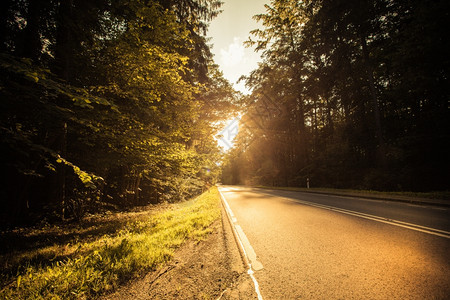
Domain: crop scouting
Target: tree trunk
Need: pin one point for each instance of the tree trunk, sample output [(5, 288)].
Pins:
[(301, 130), (30, 44), (61, 172), (374, 102), (63, 51), (137, 183), (5, 17)]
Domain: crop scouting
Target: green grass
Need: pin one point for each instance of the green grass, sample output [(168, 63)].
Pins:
[(99, 264), (438, 195)]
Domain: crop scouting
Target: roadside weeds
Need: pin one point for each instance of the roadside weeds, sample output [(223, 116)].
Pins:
[(100, 264), (208, 269)]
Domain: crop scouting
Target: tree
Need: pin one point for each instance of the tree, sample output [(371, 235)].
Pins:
[(112, 103), (355, 92)]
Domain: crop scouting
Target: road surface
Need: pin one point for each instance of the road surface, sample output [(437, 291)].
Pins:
[(313, 246)]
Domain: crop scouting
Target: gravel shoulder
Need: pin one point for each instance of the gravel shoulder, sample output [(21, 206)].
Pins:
[(207, 269)]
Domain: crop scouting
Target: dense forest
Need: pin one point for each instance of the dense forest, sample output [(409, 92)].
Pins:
[(106, 104), (350, 94), (113, 104)]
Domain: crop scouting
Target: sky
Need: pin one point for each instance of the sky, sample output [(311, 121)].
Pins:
[(228, 32)]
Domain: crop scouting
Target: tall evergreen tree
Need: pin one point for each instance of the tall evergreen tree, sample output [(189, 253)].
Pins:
[(363, 87)]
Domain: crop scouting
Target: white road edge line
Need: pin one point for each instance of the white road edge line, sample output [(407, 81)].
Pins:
[(239, 235), (433, 231)]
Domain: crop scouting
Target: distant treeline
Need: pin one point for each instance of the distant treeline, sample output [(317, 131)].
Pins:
[(350, 94), (105, 102)]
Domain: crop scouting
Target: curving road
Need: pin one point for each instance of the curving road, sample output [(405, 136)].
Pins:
[(315, 246)]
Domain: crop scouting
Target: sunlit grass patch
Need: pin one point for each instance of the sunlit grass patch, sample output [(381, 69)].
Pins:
[(100, 264)]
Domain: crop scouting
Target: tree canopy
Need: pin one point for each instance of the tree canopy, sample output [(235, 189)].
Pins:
[(355, 95), (106, 103)]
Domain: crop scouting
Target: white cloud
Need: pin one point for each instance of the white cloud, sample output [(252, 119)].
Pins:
[(236, 60), (235, 54)]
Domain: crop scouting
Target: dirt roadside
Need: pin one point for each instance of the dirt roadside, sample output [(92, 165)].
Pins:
[(208, 269)]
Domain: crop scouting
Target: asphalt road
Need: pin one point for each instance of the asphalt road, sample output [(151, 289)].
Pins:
[(315, 246)]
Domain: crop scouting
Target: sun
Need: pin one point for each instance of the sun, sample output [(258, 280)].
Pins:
[(225, 138)]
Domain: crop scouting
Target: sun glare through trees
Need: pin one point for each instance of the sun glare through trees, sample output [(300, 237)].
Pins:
[(226, 137), (111, 107)]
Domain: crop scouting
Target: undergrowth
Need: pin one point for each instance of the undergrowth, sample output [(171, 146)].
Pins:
[(101, 264)]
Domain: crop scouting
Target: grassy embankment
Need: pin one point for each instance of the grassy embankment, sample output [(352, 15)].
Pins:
[(439, 195), (98, 263)]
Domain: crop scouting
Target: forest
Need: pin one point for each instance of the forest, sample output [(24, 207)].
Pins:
[(110, 119), (350, 94), (115, 104), (106, 104)]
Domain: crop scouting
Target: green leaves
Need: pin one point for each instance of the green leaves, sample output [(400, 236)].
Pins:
[(124, 100), (18, 69), (88, 179)]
